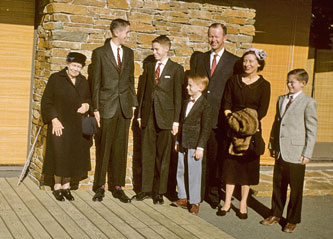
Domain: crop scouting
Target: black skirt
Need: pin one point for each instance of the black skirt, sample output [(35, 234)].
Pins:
[(241, 170)]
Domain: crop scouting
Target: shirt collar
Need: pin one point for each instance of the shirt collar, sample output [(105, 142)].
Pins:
[(196, 98), (163, 62), (114, 46), (219, 53), (295, 95)]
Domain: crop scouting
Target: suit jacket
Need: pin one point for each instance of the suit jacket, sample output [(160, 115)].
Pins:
[(165, 97), (111, 86), (294, 133), (196, 127), (223, 71)]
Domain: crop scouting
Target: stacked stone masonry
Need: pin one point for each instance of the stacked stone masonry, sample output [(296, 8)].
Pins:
[(83, 25)]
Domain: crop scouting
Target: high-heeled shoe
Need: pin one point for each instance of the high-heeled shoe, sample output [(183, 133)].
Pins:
[(58, 195), (221, 212), (67, 194), (242, 216)]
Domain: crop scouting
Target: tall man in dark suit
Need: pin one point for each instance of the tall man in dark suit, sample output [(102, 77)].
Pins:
[(218, 65), (158, 116), (113, 94)]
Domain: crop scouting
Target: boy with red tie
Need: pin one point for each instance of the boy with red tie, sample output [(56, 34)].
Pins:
[(195, 128), (158, 117), (292, 141)]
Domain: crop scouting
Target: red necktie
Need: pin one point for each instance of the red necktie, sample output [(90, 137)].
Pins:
[(118, 58), (213, 65), (191, 100), (157, 73), (289, 102)]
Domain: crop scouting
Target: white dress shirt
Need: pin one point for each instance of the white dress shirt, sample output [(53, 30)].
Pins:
[(218, 57), (162, 66), (286, 100), (114, 48)]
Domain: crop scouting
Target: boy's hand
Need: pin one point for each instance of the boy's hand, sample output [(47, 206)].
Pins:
[(272, 152), (174, 130), (198, 154), (304, 160), (139, 122), (98, 118)]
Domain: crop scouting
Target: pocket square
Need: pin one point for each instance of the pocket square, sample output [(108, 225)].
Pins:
[(166, 76)]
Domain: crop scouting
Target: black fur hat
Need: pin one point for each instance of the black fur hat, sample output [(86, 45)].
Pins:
[(76, 57)]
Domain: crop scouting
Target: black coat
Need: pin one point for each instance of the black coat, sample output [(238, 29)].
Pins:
[(67, 155), (165, 97), (217, 82), (195, 128)]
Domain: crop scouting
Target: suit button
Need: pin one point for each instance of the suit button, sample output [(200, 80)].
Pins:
[(283, 124), (208, 91)]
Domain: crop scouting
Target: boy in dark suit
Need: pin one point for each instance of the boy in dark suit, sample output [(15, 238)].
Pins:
[(195, 128), (158, 116), (292, 141), (113, 96)]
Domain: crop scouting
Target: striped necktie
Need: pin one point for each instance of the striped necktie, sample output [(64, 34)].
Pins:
[(157, 73), (118, 58)]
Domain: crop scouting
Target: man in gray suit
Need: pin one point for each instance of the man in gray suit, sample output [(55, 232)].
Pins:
[(293, 137), (113, 96)]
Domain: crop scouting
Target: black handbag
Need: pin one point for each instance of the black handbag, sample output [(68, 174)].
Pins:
[(89, 125), (257, 144)]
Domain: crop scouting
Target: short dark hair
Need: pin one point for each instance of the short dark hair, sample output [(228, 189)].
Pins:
[(261, 62), (118, 23), (198, 79), (300, 74), (216, 25), (163, 40)]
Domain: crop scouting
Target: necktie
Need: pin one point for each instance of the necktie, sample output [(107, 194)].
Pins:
[(213, 65), (118, 58), (157, 73), (289, 102), (191, 100)]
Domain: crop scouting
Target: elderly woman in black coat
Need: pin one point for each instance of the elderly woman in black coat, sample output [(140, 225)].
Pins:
[(65, 100)]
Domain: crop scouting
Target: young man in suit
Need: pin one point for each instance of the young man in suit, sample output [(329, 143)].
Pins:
[(292, 141), (218, 65), (158, 116), (113, 95), (195, 128)]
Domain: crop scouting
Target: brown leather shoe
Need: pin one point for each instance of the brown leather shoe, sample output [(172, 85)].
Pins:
[(269, 221), (182, 202), (290, 227), (195, 208)]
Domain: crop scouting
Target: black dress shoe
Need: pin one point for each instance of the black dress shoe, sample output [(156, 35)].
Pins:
[(67, 194), (158, 199), (142, 196), (99, 195), (58, 195), (221, 212), (121, 196)]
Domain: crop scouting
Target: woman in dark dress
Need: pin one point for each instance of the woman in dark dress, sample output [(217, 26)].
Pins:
[(248, 90), (66, 98)]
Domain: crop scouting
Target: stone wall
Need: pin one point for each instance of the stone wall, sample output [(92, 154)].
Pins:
[(83, 25)]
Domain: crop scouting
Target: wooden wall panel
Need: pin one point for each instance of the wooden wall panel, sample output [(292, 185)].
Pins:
[(16, 50)]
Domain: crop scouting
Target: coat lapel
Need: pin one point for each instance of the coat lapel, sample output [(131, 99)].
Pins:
[(125, 57), (207, 62), (167, 68), (194, 107), (109, 54), (281, 99)]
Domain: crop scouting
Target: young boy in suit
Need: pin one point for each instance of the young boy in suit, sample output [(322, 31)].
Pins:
[(292, 140), (158, 116), (195, 128)]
